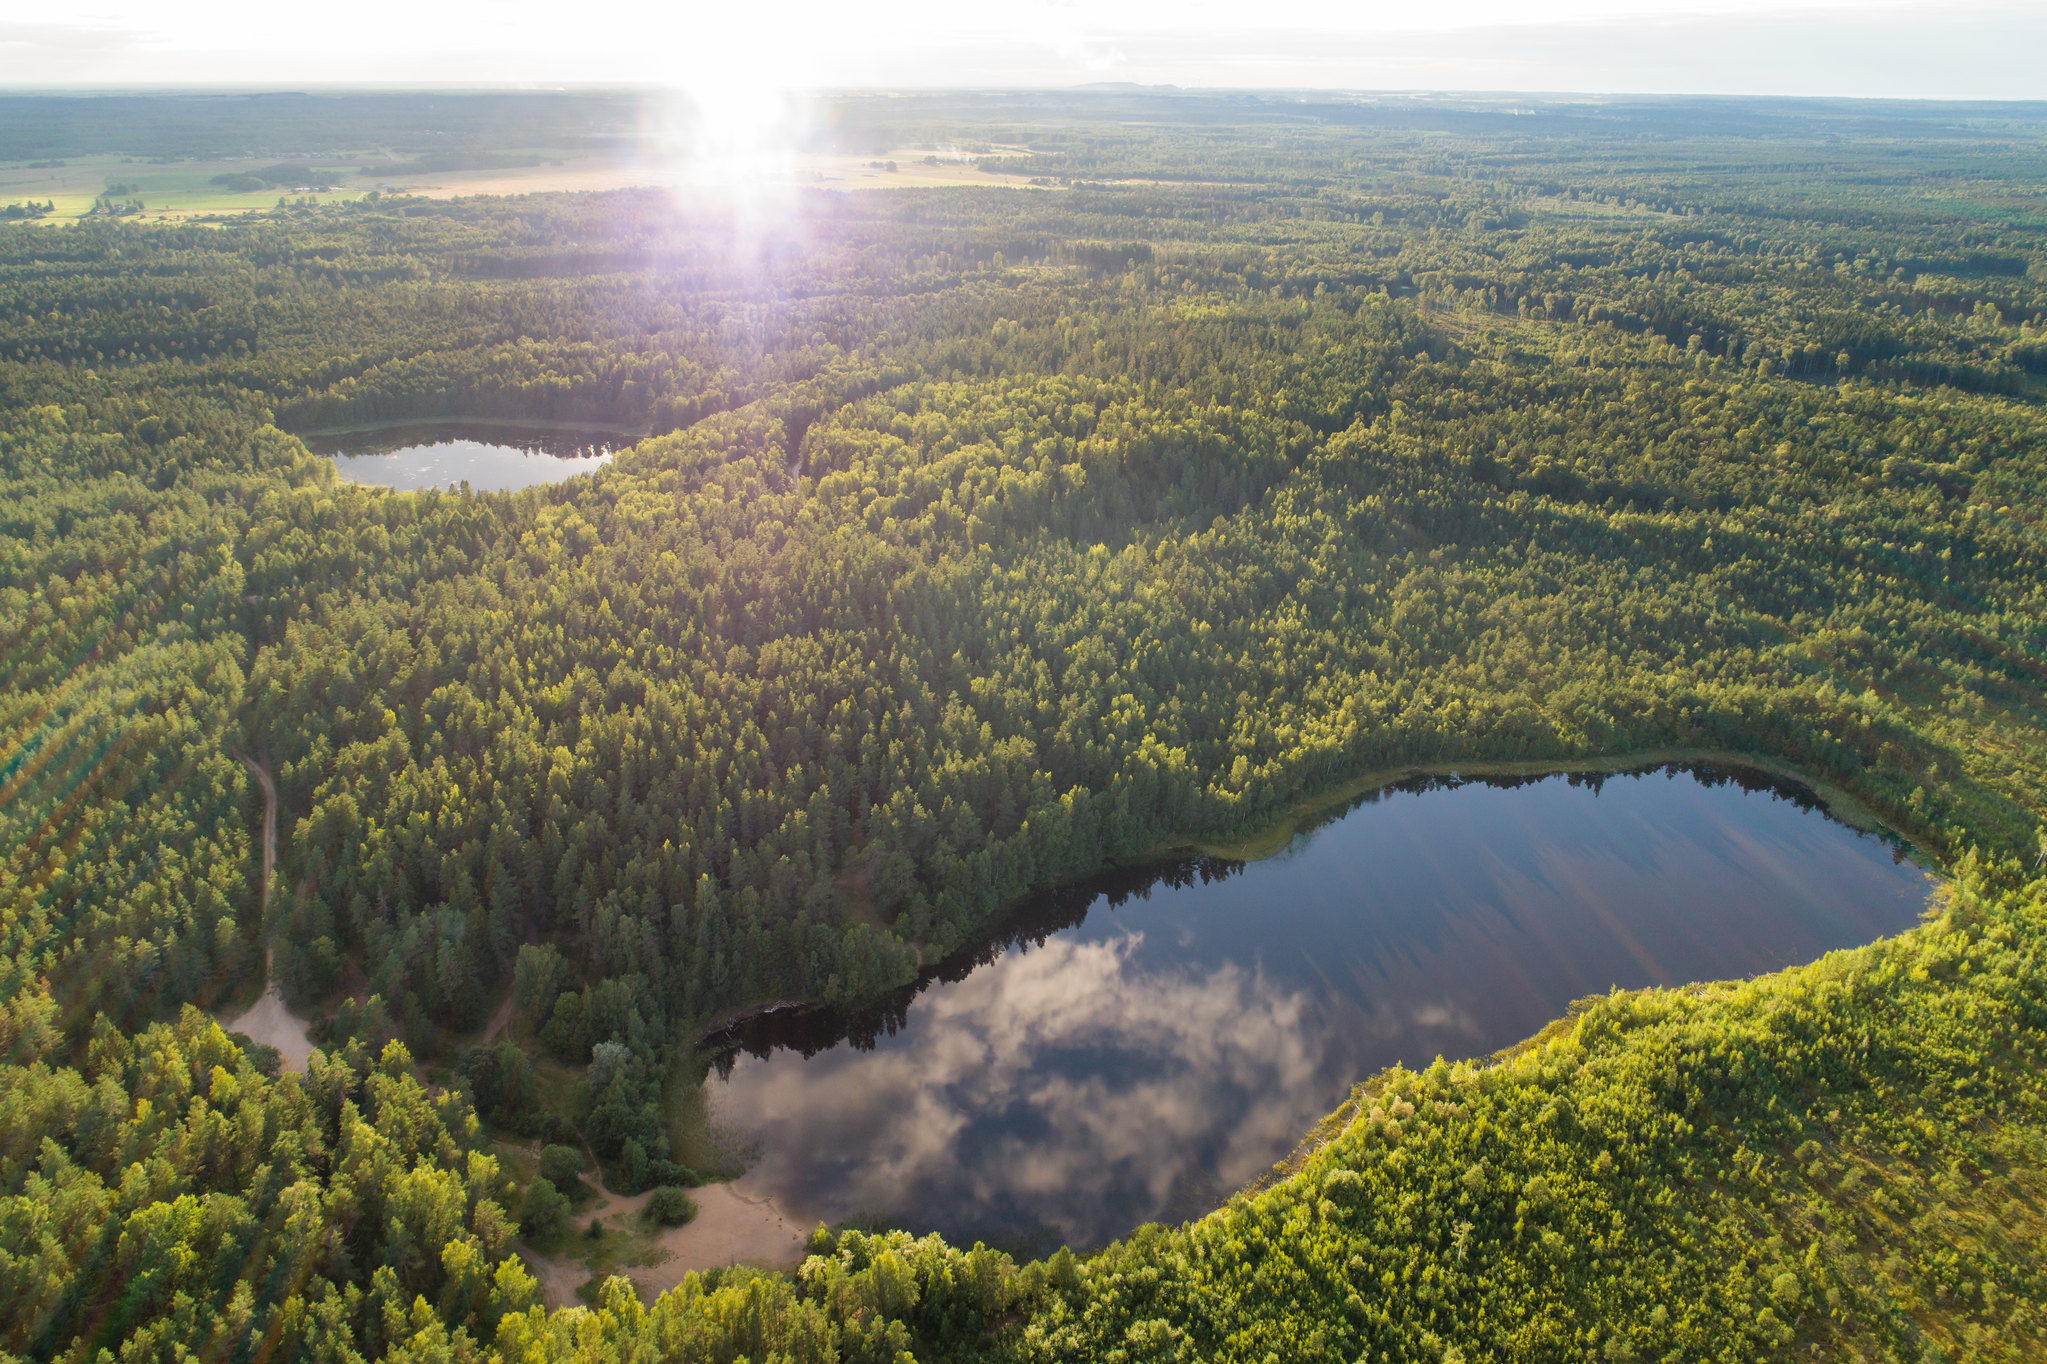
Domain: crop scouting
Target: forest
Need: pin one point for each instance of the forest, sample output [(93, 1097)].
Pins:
[(973, 541)]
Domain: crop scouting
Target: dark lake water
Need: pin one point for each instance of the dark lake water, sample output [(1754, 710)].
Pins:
[(1139, 1048), (490, 458)]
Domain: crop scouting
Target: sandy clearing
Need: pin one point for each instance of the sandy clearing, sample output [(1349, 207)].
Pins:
[(736, 1224), (269, 787), (268, 1021)]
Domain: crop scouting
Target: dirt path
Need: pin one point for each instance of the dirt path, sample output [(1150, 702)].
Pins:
[(500, 1020), (268, 1020), (558, 1279), (269, 786)]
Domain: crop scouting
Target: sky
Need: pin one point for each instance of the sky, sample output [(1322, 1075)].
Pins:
[(1968, 49)]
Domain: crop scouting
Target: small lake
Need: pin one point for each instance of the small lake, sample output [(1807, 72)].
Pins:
[(490, 458), (1139, 1048)]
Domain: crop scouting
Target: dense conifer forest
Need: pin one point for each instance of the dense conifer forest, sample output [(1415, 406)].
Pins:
[(975, 540)]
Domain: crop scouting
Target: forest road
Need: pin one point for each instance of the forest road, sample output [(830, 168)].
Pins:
[(269, 786), (268, 1020), (499, 1021)]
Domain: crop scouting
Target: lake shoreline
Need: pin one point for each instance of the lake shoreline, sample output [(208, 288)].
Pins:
[(420, 457), (1310, 811), (1302, 814), (1112, 1054), (628, 434)]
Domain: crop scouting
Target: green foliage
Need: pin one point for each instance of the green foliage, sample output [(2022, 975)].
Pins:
[(544, 1210), (165, 1198), (561, 1164), (1835, 1159), (503, 1086), (858, 1298), (669, 1206), (982, 539)]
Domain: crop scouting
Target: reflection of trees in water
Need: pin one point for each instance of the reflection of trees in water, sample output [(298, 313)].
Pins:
[(1075, 1090), (578, 442), (810, 1031), (1752, 780)]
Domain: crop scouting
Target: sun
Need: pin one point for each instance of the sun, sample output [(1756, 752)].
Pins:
[(737, 110), (742, 130)]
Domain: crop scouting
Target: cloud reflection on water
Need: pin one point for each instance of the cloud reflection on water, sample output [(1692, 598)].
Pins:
[(1165, 1047), (1151, 1080)]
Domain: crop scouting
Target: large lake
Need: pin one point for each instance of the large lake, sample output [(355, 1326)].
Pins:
[(488, 457), (1139, 1048)]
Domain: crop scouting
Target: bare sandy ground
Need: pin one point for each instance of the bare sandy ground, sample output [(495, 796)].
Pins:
[(735, 1224), (558, 1279), (268, 1021)]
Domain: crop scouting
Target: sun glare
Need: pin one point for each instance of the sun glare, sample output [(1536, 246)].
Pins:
[(742, 132), (737, 112)]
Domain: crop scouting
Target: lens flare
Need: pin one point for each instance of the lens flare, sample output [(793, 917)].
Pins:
[(737, 111)]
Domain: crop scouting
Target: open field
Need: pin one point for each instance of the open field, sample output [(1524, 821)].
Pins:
[(182, 190), (168, 191), (823, 170)]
